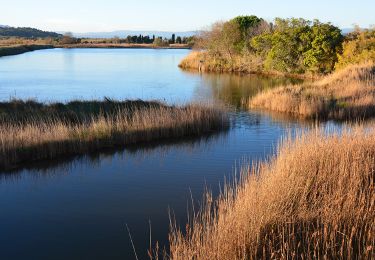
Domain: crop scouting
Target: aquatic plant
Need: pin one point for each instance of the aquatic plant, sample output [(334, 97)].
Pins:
[(32, 131)]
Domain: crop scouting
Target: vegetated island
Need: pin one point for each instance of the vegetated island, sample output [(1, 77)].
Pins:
[(31, 131), (20, 40), (342, 64), (293, 47)]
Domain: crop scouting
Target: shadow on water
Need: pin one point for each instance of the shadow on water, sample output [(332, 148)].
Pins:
[(142, 150)]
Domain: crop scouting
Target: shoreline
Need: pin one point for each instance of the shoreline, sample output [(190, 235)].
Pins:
[(345, 95), (198, 62), (20, 49), (119, 46)]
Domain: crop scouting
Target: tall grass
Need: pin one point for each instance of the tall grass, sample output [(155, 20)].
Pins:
[(33, 131), (244, 64), (346, 94), (201, 60), (314, 199)]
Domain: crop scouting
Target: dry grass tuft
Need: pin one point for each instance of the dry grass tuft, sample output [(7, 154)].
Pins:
[(201, 60), (314, 199), (32, 131), (346, 94), (193, 61)]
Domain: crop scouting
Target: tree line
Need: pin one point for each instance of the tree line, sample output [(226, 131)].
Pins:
[(292, 45), (144, 39), (68, 38)]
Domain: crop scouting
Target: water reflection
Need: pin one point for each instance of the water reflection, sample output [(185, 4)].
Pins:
[(139, 152), (233, 88)]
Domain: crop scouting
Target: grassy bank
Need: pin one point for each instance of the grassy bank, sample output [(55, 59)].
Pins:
[(202, 61), (32, 131), (313, 199), (19, 49), (346, 94)]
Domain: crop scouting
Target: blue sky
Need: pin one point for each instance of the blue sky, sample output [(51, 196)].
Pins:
[(167, 15)]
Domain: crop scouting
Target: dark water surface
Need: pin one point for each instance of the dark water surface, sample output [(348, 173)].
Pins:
[(78, 208)]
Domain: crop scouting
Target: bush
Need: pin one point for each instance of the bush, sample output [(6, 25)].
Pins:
[(358, 47), (159, 42)]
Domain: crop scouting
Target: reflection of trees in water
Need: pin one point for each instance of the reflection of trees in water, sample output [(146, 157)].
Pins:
[(139, 152), (233, 88)]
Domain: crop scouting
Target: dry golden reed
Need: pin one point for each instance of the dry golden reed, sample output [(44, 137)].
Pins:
[(48, 132), (346, 94), (201, 60), (314, 199)]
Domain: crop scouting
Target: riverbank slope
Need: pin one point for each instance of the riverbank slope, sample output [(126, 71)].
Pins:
[(313, 199), (346, 94)]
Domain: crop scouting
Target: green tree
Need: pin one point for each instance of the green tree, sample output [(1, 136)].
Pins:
[(288, 41), (358, 47), (246, 25), (178, 40), (159, 42), (297, 46), (246, 22), (325, 46)]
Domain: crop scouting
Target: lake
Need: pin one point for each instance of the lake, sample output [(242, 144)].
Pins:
[(78, 207)]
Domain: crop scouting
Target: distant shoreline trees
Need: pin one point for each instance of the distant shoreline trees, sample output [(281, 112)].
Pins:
[(68, 38), (144, 39)]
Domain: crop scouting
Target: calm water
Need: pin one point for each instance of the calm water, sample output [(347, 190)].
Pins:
[(78, 208)]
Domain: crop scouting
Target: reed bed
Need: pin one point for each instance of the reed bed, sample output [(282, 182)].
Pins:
[(202, 61), (346, 94), (32, 131), (314, 199)]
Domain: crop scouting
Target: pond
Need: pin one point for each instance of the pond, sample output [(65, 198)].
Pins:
[(78, 207)]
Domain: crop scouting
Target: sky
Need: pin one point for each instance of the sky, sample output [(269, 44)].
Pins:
[(168, 15)]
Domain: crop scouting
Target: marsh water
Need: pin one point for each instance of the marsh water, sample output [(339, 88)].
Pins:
[(78, 207)]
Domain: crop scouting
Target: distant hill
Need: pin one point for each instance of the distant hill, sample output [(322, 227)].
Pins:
[(125, 33), (25, 32)]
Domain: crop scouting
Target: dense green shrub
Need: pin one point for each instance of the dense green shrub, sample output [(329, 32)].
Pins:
[(291, 45), (299, 46), (358, 47)]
